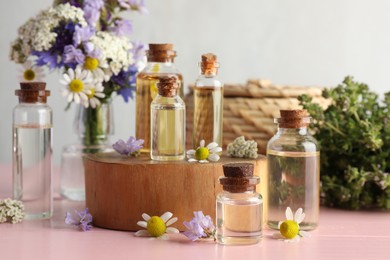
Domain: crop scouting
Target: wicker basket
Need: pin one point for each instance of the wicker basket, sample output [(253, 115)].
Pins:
[(249, 109)]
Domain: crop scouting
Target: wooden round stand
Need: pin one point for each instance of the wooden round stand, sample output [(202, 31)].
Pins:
[(119, 189)]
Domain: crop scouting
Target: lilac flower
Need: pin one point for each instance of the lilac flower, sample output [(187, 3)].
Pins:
[(130, 148), (81, 219), (97, 4), (200, 226), (73, 56), (136, 5), (91, 15), (122, 27), (138, 51), (46, 58), (126, 81), (82, 34)]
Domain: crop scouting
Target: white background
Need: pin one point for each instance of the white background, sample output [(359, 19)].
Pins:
[(296, 42)]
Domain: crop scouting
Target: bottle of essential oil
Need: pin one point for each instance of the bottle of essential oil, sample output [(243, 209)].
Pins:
[(160, 64), (208, 106), (32, 150), (293, 170), (167, 120), (239, 206)]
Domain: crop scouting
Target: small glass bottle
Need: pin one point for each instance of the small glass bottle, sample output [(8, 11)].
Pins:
[(293, 170), (32, 150), (160, 64), (208, 106), (239, 206), (167, 115)]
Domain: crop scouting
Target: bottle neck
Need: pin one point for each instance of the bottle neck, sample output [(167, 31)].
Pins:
[(292, 131)]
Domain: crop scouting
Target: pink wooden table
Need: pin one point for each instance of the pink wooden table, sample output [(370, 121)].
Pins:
[(341, 235)]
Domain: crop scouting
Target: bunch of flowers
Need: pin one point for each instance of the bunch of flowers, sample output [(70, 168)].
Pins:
[(11, 211), (86, 40)]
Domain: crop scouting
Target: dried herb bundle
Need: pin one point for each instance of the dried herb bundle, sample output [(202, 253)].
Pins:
[(354, 137)]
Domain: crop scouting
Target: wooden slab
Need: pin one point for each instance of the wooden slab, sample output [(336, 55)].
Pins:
[(119, 189)]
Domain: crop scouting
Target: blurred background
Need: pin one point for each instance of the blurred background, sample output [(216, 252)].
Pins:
[(300, 42)]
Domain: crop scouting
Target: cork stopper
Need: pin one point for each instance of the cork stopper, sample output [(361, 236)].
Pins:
[(167, 86), (160, 52), (238, 177), (293, 118), (209, 64), (32, 92)]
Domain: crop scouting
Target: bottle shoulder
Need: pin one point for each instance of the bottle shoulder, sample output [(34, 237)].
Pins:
[(206, 82), (175, 101), (242, 197), (160, 68), (303, 142)]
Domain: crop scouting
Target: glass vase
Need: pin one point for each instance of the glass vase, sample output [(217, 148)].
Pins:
[(93, 127)]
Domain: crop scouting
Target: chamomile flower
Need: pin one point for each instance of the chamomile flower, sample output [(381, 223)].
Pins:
[(77, 83), (289, 229), (96, 92), (157, 226), (30, 73), (98, 68), (204, 154)]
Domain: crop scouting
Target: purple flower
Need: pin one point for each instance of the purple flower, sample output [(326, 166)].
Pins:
[(82, 34), (97, 4), (126, 81), (122, 27), (138, 51), (91, 15), (46, 58), (200, 226), (73, 56), (81, 219), (130, 147), (134, 5)]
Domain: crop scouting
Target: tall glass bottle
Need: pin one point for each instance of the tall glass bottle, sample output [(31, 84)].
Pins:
[(208, 106), (160, 64), (293, 170), (167, 132), (239, 206), (32, 150)]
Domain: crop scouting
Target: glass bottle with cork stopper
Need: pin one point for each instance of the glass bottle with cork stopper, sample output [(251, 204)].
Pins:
[(167, 120), (293, 170), (160, 64), (32, 150), (208, 103), (239, 206)]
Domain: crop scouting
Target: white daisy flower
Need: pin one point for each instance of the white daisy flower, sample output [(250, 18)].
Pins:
[(204, 154), (96, 92), (157, 226), (77, 83), (31, 73), (98, 68), (289, 229)]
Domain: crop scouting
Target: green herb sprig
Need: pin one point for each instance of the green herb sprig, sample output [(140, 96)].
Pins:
[(354, 138)]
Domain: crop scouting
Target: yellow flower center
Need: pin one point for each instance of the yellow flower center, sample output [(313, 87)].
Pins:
[(76, 85), (202, 153), (91, 63), (156, 226), (91, 94), (29, 74), (289, 229)]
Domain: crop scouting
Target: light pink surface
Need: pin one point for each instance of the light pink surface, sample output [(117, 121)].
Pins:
[(341, 235)]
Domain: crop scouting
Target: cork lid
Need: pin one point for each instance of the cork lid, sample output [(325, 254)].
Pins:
[(209, 64), (160, 52), (32, 92), (293, 118), (167, 86), (238, 177)]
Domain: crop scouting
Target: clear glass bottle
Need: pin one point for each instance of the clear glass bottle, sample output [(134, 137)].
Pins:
[(239, 206), (94, 126), (32, 150), (160, 64), (208, 106), (167, 116), (293, 170)]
